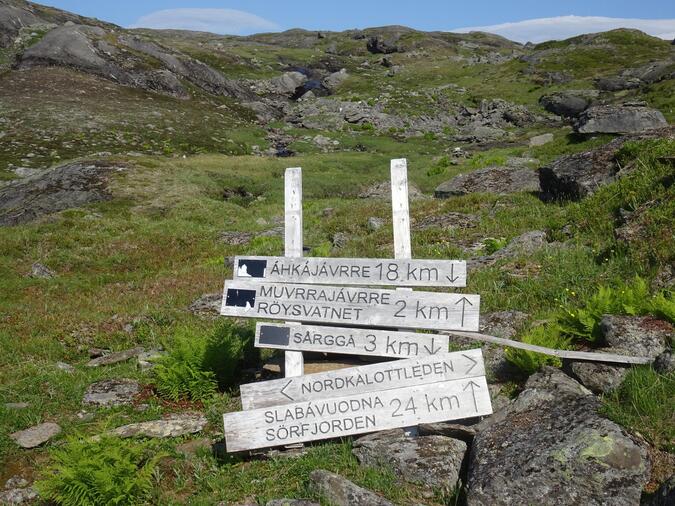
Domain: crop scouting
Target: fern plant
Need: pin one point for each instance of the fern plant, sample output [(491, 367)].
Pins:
[(109, 471), (198, 363), (530, 362)]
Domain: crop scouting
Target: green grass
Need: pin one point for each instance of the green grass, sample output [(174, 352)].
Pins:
[(645, 403)]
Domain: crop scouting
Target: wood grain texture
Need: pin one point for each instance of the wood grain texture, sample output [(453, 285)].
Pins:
[(351, 271), (356, 414), (576, 355), (350, 341), (351, 306), (293, 241), (363, 379)]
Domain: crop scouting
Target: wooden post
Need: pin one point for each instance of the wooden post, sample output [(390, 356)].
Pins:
[(400, 209), (293, 360)]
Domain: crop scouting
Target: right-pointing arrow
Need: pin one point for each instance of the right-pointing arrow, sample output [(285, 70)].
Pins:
[(284, 388), (473, 386), (474, 363)]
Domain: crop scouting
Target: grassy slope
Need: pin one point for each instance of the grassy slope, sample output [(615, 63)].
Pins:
[(144, 256)]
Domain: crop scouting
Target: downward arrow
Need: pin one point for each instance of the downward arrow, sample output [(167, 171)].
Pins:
[(285, 387), (463, 300), (474, 364), (433, 350), (452, 278), (473, 392)]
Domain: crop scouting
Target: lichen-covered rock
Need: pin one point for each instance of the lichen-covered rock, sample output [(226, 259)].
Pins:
[(37, 435), (174, 425), (434, 461), (566, 104), (644, 336), (526, 243), (490, 180), (599, 378), (115, 357), (339, 491), (623, 119), (551, 444), (111, 392), (207, 305)]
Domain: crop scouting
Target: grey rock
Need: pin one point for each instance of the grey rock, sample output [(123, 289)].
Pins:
[(464, 433), (115, 357), (287, 83), (174, 425), (566, 104), (207, 304), (617, 83), (37, 435), (291, 502), (26, 172), (433, 461), (340, 239), (65, 367), (551, 443), (64, 187), (665, 363), (380, 45), (16, 482), (652, 72), (111, 392), (665, 495), (580, 174), (504, 324), (334, 80), (599, 378), (375, 224), (619, 119), (147, 359), (496, 180), (643, 336), (480, 133), (526, 243), (540, 140), (14, 495), (40, 271), (339, 491)]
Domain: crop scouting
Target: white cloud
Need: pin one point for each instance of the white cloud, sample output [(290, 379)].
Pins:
[(223, 21), (563, 27)]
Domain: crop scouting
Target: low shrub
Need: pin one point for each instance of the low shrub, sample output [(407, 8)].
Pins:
[(104, 472)]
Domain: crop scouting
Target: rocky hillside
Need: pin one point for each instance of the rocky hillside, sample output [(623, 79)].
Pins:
[(135, 163)]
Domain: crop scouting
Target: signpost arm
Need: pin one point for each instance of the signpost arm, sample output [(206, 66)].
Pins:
[(293, 360), (401, 223)]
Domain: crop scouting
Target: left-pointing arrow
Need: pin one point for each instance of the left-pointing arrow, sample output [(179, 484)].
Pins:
[(285, 387)]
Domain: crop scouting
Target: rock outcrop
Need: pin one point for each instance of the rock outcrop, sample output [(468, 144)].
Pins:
[(565, 103), (490, 180), (339, 491), (552, 443), (625, 119)]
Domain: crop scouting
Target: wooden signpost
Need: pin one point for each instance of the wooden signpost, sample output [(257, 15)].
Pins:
[(356, 414), (352, 271), (363, 379), (349, 341), (427, 385), (354, 306)]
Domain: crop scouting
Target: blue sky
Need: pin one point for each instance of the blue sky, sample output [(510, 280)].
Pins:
[(250, 16)]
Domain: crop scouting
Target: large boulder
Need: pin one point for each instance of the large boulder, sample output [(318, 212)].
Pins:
[(524, 244), (626, 118), (64, 187), (617, 83), (434, 461), (580, 174), (496, 180), (37, 435), (339, 491), (551, 444), (380, 45), (111, 392), (566, 104)]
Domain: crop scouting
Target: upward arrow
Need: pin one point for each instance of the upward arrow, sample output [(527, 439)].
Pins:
[(473, 386), (452, 278), (284, 388), (433, 350), (474, 363), (463, 300)]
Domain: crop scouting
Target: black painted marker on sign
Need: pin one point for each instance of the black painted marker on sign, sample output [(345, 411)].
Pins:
[(248, 267), (240, 298), (278, 336)]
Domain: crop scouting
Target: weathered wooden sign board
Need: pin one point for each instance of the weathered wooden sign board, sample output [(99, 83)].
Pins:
[(356, 414), (357, 306), (363, 379), (351, 271), (349, 341)]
